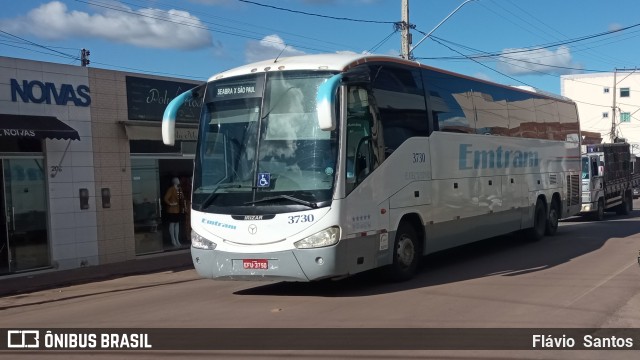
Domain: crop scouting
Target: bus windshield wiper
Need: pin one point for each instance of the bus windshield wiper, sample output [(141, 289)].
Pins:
[(310, 204), (277, 102), (205, 204)]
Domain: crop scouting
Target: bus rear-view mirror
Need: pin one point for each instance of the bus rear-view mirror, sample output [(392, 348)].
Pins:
[(325, 103)]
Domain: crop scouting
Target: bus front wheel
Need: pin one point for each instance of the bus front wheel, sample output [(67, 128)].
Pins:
[(406, 253)]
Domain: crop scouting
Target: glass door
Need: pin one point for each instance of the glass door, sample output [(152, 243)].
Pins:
[(24, 241), (5, 258), (147, 205)]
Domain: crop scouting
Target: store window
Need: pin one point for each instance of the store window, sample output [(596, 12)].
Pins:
[(158, 225)]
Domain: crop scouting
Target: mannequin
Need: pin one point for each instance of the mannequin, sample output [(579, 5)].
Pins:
[(173, 198)]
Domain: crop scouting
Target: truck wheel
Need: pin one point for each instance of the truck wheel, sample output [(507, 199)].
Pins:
[(599, 214), (626, 206), (553, 219), (539, 223), (406, 253)]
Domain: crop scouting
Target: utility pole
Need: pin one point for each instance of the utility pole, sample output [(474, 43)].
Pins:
[(613, 107), (404, 28)]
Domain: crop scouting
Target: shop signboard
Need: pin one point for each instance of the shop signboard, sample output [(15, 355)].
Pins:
[(147, 99)]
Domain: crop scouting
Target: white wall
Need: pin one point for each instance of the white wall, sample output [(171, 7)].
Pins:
[(588, 91), (73, 232)]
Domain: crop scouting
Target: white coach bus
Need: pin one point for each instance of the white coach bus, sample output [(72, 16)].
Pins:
[(323, 166)]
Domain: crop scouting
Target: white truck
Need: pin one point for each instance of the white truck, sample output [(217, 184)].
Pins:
[(635, 177), (607, 179)]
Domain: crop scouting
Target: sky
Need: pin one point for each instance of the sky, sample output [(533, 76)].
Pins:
[(512, 42)]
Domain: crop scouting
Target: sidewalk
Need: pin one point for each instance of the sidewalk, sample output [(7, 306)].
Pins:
[(46, 279)]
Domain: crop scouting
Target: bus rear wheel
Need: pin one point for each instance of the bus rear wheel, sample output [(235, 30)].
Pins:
[(536, 232), (406, 253), (553, 219)]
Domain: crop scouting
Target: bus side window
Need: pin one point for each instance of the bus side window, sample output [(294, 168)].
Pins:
[(400, 101), (394, 136)]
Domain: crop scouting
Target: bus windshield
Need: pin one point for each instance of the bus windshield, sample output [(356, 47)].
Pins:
[(260, 146)]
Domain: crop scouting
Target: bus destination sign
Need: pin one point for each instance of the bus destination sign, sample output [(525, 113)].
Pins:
[(236, 90)]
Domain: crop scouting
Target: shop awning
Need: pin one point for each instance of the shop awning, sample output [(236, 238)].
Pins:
[(148, 130), (37, 127)]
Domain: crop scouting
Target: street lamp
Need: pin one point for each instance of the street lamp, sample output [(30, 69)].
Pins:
[(437, 26)]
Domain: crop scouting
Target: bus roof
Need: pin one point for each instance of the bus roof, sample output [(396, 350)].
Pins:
[(344, 61), (330, 62)]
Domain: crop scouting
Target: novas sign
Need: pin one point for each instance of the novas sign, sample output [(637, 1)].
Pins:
[(38, 92)]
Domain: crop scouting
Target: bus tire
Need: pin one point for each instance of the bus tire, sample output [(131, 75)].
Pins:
[(536, 232), (406, 253), (553, 219)]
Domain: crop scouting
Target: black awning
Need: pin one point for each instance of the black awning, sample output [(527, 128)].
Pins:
[(37, 127)]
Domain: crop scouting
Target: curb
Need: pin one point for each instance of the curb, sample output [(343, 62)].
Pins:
[(47, 279)]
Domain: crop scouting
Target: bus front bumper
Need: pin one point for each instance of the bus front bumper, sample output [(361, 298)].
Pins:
[(290, 265)]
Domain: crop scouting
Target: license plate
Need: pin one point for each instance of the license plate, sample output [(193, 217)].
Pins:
[(255, 264)]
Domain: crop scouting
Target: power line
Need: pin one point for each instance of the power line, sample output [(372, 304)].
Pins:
[(317, 15), (550, 45), (508, 18), (40, 46), (104, 5), (8, 40), (37, 51), (152, 72), (574, 40), (234, 21), (631, 73), (379, 44), (476, 61), (498, 58), (531, 49), (597, 56), (76, 58), (433, 38), (514, 59)]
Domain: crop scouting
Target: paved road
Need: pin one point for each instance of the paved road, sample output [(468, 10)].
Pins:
[(586, 276)]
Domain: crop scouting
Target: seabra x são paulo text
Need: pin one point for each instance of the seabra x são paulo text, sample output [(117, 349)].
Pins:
[(588, 341)]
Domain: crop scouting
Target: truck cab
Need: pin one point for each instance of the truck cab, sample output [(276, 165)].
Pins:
[(592, 185), (607, 183)]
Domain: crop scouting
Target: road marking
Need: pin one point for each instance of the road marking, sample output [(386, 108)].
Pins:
[(633, 263)]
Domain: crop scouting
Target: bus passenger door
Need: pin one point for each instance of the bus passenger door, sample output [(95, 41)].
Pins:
[(362, 133)]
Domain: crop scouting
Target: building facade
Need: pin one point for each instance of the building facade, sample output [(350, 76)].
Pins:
[(608, 105), (83, 170)]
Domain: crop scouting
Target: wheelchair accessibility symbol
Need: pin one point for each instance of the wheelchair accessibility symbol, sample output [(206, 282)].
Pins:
[(264, 179)]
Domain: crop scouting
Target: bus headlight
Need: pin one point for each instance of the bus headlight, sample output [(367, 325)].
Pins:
[(326, 237), (200, 242)]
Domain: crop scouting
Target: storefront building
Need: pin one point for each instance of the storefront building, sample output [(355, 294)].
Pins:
[(83, 170)]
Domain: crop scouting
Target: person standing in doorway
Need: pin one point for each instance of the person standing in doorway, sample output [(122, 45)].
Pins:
[(185, 184), (174, 198)]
